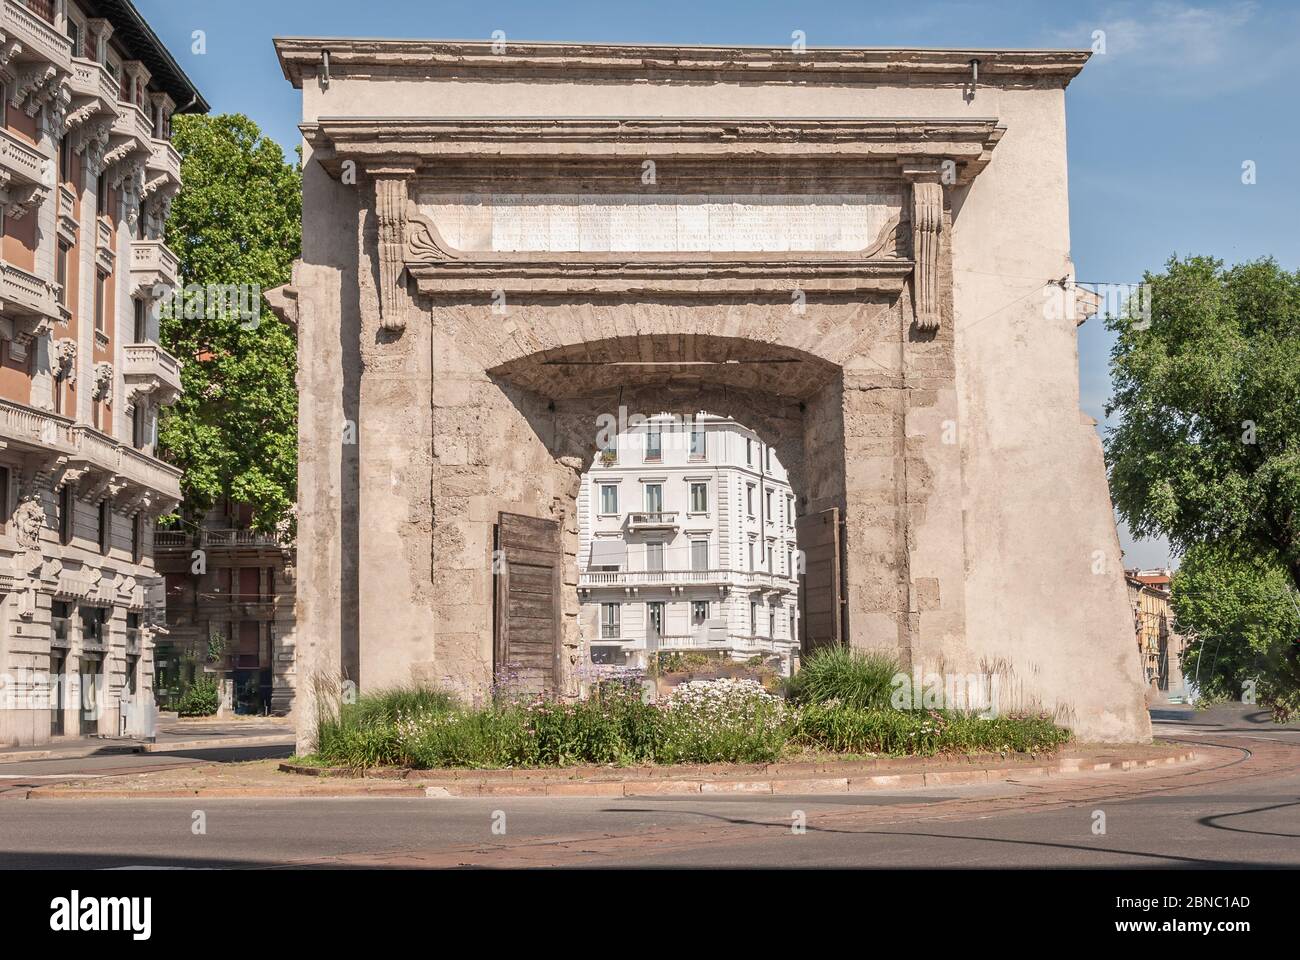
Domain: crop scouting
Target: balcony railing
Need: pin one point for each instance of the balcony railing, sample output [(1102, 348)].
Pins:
[(28, 292), (91, 79), (25, 425), (652, 520), (239, 538), (153, 264), (745, 579), (21, 160), (165, 159), (642, 578), (107, 454), (150, 364), (36, 34), (132, 123)]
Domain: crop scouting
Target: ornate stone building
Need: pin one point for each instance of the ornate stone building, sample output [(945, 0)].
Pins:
[(86, 178), (861, 254)]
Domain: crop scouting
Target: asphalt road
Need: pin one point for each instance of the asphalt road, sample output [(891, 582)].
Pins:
[(1240, 808)]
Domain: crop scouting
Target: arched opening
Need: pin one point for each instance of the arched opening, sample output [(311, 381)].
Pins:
[(686, 544), (716, 451)]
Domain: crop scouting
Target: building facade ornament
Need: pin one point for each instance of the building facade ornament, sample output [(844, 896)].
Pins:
[(927, 231), (22, 198), (390, 216), (64, 359), (29, 81), (102, 389), (29, 519)]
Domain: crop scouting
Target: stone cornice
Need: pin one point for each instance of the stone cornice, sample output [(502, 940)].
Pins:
[(302, 57), (770, 275), (378, 144)]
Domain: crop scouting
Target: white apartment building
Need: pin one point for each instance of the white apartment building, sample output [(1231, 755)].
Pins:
[(87, 177), (687, 542)]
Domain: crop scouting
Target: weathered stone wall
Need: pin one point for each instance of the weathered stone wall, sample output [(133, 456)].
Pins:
[(978, 529)]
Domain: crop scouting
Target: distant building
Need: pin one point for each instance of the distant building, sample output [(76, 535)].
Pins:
[(687, 542), (230, 595), (1159, 646)]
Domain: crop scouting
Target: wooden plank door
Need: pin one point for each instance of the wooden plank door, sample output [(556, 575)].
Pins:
[(528, 574), (820, 614)]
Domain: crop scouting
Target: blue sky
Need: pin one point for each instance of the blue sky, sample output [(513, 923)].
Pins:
[(1159, 125)]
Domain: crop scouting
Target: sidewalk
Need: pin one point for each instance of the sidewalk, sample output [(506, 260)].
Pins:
[(172, 735), (275, 779)]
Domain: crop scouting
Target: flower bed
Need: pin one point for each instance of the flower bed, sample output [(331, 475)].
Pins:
[(703, 721)]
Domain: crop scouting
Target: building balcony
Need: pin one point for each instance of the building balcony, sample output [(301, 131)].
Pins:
[(20, 163), (239, 538), (652, 520), (172, 540), (654, 578), (758, 580), (132, 125), (164, 161), (221, 541), (633, 580), (152, 266), (38, 40), (28, 304), (94, 91), (116, 463), (150, 369), (22, 426)]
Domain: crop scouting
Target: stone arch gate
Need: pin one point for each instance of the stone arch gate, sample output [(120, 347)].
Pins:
[(475, 292)]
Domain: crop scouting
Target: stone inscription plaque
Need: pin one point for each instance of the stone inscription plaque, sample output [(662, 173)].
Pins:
[(630, 223)]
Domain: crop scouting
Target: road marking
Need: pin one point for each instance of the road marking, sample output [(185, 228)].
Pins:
[(51, 776)]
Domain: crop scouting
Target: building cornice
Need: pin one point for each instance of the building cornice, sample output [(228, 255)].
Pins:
[(302, 57), (403, 146)]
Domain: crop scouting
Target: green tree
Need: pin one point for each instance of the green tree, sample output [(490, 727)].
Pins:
[(1242, 626), (1207, 392), (237, 220)]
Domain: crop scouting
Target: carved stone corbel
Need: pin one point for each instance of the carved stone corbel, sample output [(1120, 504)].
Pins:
[(65, 359), (29, 81), (927, 234), (22, 198), (9, 48), (95, 131), (390, 216), (102, 389), (73, 120)]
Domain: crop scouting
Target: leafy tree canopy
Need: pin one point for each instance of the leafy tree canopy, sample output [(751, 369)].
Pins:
[(237, 220), (1207, 448), (1243, 626)]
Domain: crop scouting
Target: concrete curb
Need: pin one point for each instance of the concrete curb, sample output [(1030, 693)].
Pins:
[(78, 754), (793, 785), (162, 746), (265, 740), (855, 778)]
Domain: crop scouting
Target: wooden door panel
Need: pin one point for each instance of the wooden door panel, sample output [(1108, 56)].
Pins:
[(820, 601), (528, 609)]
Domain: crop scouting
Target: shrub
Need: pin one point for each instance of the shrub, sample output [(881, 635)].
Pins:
[(200, 699), (721, 721), (855, 678), (704, 721), (845, 729)]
